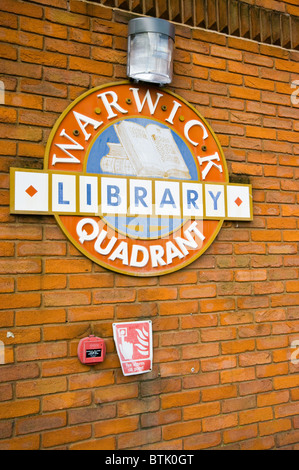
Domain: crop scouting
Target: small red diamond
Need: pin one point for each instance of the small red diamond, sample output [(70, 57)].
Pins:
[(31, 191), (238, 201)]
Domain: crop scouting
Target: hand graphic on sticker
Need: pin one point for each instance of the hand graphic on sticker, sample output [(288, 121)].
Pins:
[(126, 349), (133, 341)]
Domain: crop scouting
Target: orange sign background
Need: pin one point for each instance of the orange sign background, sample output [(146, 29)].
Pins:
[(117, 101)]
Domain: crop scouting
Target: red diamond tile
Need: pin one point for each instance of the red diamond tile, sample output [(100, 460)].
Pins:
[(238, 201), (31, 191)]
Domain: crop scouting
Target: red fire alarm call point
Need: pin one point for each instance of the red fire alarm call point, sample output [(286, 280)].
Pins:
[(91, 350)]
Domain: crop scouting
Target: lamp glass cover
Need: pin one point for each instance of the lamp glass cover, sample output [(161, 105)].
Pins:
[(150, 57)]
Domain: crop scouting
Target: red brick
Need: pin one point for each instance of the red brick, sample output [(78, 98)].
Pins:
[(35, 118), (40, 282), (44, 88), (243, 433), (20, 69), (183, 398), (173, 431), (219, 422), (21, 38), (19, 408), (21, 443), (8, 115), (88, 415), (5, 430), (223, 326), (255, 302), (66, 18), (36, 424), (52, 333), (66, 400), (237, 375), (287, 438), (197, 321), (200, 350), (223, 362), (40, 387), (54, 299), (156, 293), (218, 334), (96, 444), (160, 418), (203, 441), (141, 310), (274, 427), (18, 372), (114, 296), (20, 133), (116, 426), (139, 438), (20, 300), (41, 351), (120, 392), (180, 307), (169, 339), (91, 66), (72, 434), (132, 407), (216, 305), (40, 316), (272, 398), (198, 291), (69, 266), (9, 20), (180, 368), (219, 393), (254, 416)]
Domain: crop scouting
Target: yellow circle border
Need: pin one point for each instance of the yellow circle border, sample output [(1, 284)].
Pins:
[(64, 229)]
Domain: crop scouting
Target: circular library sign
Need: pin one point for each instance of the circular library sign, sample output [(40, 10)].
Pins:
[(136, 179)]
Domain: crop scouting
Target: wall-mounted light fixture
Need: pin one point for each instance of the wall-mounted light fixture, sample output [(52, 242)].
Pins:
[(150, 50)]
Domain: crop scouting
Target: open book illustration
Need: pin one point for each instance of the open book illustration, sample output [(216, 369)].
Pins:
[(144, 151)]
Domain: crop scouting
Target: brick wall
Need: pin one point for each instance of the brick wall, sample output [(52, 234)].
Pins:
[(223, 326)]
